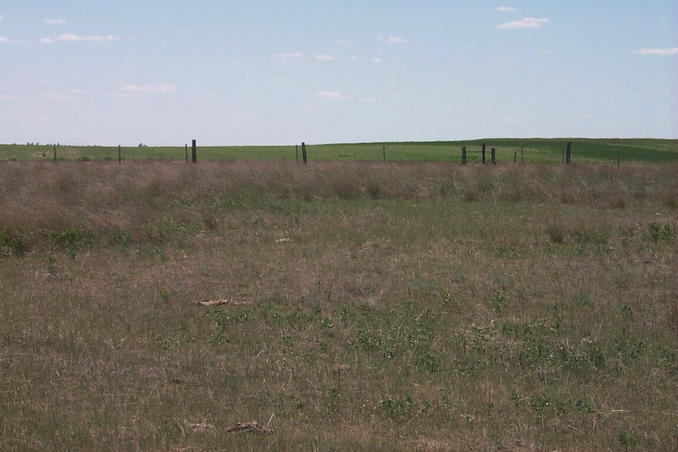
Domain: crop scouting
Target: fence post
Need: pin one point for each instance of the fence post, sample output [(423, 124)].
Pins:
[(568, 155), (303, 152), (383, 152), (463, 155), (515, 157), (55, 157), (483, 152), (493, 156), (119, 156), (194, 151), (186, 151), (618, 159), (296, 152)]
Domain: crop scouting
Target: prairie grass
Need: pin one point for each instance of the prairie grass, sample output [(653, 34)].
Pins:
[(370, 306)]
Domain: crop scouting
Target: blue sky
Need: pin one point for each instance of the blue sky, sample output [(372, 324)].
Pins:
[(285, 71)]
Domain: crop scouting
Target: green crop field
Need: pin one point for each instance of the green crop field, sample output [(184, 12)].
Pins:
[(342, 305), (531, 150)]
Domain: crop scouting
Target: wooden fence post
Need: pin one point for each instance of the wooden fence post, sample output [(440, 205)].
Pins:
[(186, 151), (463, 155), (303, 152), (55, 157), (383, 152), (568, 155), (194, 151), (119, 156), (493, 156), (618, 160), (515, 157), (296, 152), (483, 151)]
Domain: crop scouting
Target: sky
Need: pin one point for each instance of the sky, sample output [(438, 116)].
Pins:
[(285, 71)]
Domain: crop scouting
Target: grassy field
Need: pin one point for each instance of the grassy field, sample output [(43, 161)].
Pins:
[(533, 150), (367, 306)]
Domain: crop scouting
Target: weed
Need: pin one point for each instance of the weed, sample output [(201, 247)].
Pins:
[(660, 231)]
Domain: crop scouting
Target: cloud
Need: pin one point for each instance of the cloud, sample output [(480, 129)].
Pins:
[(393, 40), (667, 51), (548, 52), (3, 39), (325, 57), (143, 89), (289, 57), (71, 95), (377, 60), (1, 18), (54, 21), (505, 9), (330, 95), (526, 22), (70, 37)]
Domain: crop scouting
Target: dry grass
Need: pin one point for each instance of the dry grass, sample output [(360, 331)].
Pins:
[(367, 306)]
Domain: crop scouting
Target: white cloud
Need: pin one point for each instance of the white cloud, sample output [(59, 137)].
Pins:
[(505, 9), (667, 51), (71, 95), (548, 52), (325, 57), (393, 40), (526, 22), (377, 60), (289, 57), (70, 37), (3, 39), (142, 89), (54, 21), (1, 18), (330, 95)]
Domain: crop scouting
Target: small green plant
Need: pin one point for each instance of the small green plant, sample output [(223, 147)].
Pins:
[(499, 301), (627, 438), (397, 408), (660, 231), (428, 361)]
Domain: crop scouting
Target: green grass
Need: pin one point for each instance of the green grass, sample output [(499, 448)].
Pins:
[(534, 150), (418, 306)]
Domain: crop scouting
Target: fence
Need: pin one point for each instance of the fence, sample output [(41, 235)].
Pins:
[(497, 154)]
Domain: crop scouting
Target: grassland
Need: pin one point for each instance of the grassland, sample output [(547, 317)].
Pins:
[(531, 150), (400, 306)]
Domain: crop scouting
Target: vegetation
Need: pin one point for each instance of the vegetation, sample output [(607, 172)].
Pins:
[(364, 306), (533, 150)]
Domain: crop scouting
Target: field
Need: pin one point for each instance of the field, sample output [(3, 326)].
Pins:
[(533, 150), (364, 306)]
